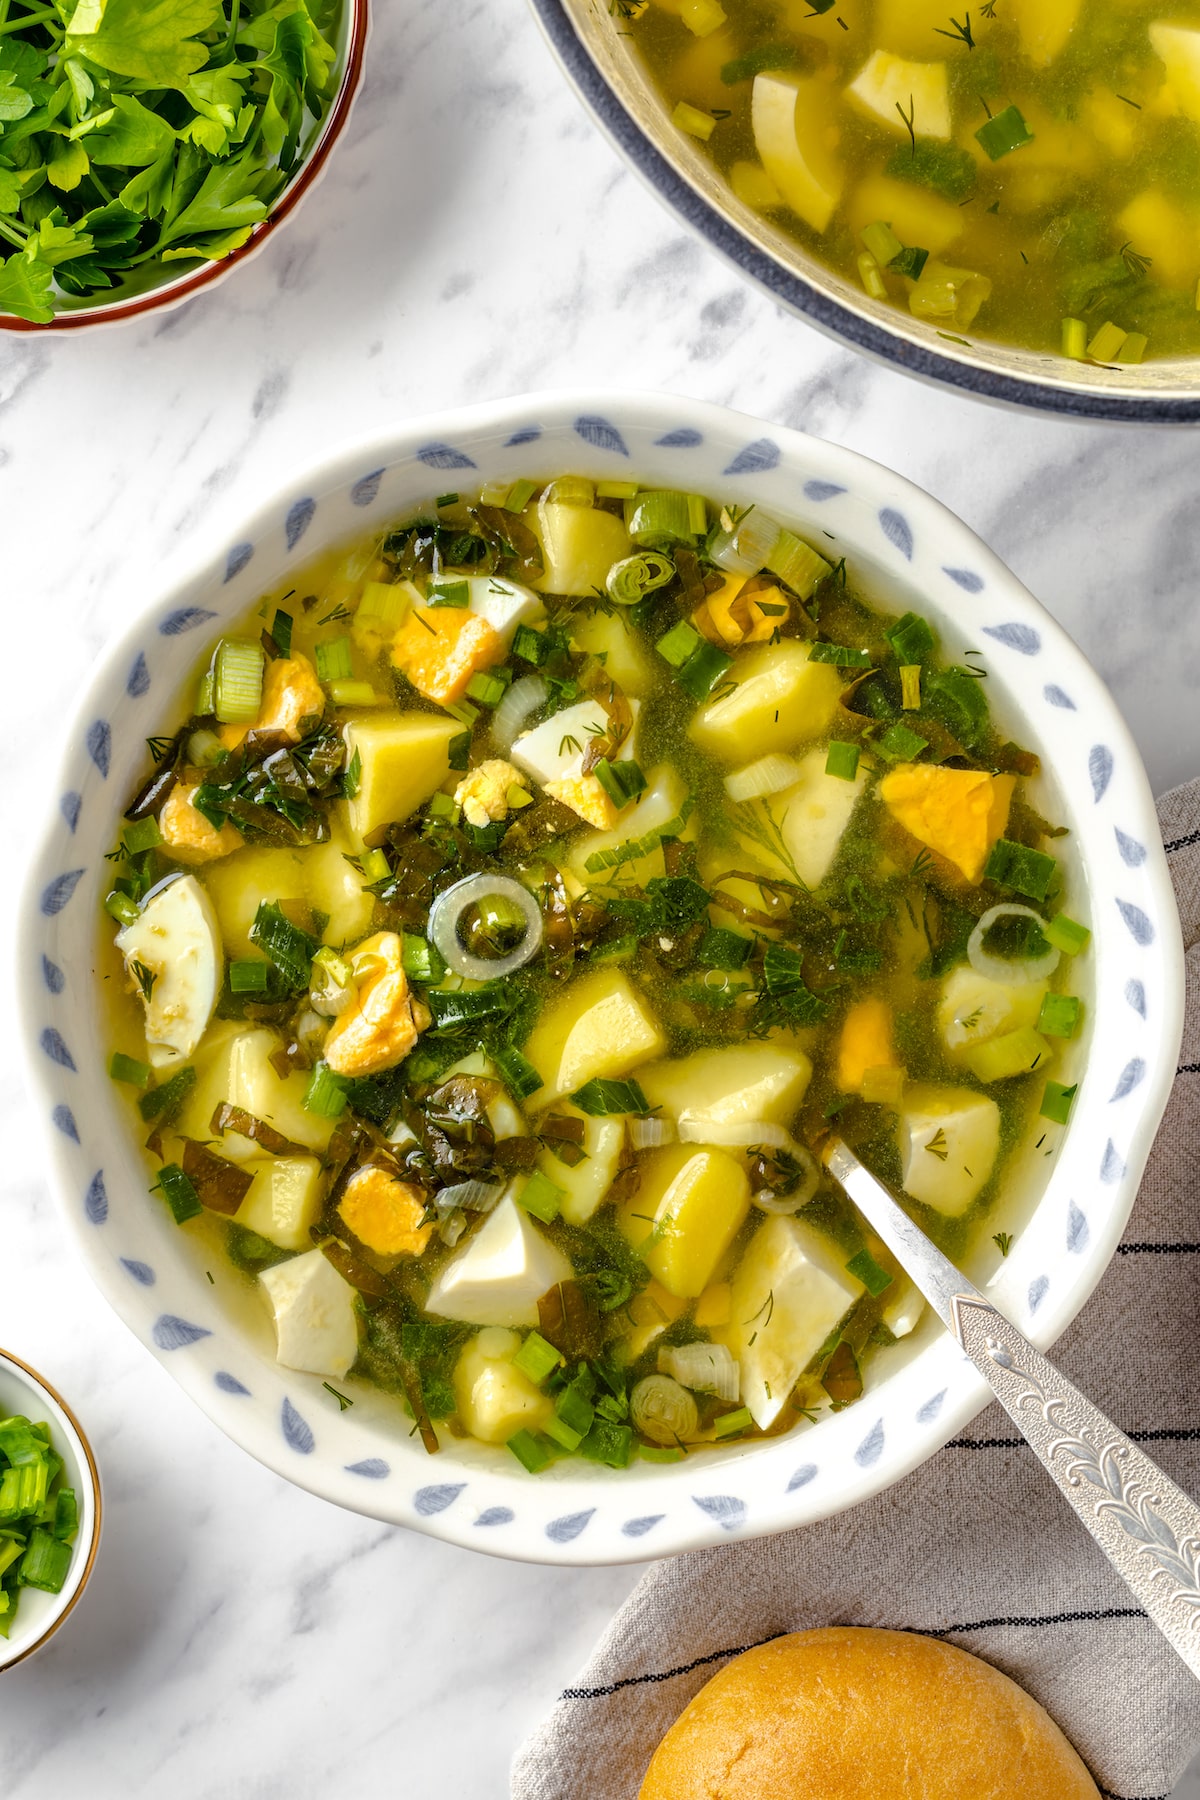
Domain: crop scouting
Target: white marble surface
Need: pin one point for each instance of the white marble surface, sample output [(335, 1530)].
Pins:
[(474, 237)]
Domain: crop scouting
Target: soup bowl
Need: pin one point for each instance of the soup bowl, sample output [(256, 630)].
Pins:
[(593, 46), (1065, 1216)]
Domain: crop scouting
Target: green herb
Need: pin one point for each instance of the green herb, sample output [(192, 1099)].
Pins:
[(128, 1069), (601, 1098), (333, 660), (958, 33), (703, 669), (163, 1102), (1057, 1101), (541, 1197), (249, 975), (609, 1443), (179, 1193), (1003, 1242), (840, 655), (342, 1400), (281, 632), (1060, 1015), (720, 948), (530, 645), (944, 168), (537, 1359), (144, 835), (899, 744), (454, 1010), (421, 960), (938, 1145), (449, 593), (289, 948), (516, 1071), (145, 979), (1004, 133), (622, 781), (910, 262), (865, 1269), (842, 760), (1066, 935), (681, 642), (533, 1453), (1025, 871)]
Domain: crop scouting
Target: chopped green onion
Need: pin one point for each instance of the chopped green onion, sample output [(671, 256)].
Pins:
[(530, 645), (162, 1101), (281, 631), (1025, 871), (179, 1194), (720, 948), (1066, 935), (882, 242), (661, 1453), (249, 975), (730, 1424), (66, 1514), (561, 1433), (571, 490), (463, 711), (121, 908), (1074, 339), (870, 276), (450, 1010), (911, 639), (516, 1071), (631, 579), (691, 119), (601, 1098), (45, 1562), (840, 655), (540, 1197), (23, 1488), (1057, 1101), (622, 781), (1060, 1015), (1018, 1052), (204, 695), (797, 564), (489, 690), (842, 760), (1106, 343), (375, 866), (1133, 349), (616, 490), (421, 960), (865, 1269), (326, 1094), (899, 744), (237, 681), (145, 835), (128, 1069), (1004, 133), (445, 806), (681, 642), (519, 495), (446, 500), (333, 660), (533, 1453), (608, 1443), (704, 669), (516, 797), (289, 948), (661, 513), (910, 262), (384, 603), (354, 693), (910, 687), (449, 593), (574, 1405), (458, 752), (537, 1359), (352, 778)]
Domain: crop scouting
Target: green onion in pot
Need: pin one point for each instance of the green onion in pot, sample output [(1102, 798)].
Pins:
[(663, 1411)]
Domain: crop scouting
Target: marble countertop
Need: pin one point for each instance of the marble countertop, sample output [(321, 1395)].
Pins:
[(474, 237)]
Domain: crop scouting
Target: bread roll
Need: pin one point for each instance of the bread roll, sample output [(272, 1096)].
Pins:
[(856, 1714)]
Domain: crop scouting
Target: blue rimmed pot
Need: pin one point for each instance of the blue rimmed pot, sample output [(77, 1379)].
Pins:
[(595, 51), (907, 549)]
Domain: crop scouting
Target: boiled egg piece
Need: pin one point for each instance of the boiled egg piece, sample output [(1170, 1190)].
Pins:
[(173, 953)]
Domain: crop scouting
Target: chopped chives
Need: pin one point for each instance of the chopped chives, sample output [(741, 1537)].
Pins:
[(622, 781), (45, 1562), (162, 1101), (899, 744), (237, 681), (449, 593), (354, 693), (616, 490), (910, 687), (144, 835), (1060, 1015), (540, 1197), (463, 711), (1066, 935), (1004, 133), (704, 669), (690, 119), (1074, 339), (516, 1071), (1133, 349), (326, 1094), (661, 1453), (179, 1193), (128, 1069), (870, 276), (1025, 871), (281, 631), (121, 908), (333, 660), (533, 1453), (911, 639), (840, 655), (574, 1405), (384, 603), (867, 1270), (1057, 1101), (561, 1433), (446, 500), (375, 866), (420, 959), (730, 1424), (882, 242), (530, 645), (842, 760), (66, 1514), (489, 690), (289, 948), (249, 975), (519, 495), (1106, 343), (681, 642), (537, 1359)]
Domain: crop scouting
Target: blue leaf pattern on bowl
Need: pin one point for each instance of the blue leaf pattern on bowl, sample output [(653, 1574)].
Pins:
[(138, 682), (229, 1384), (170, 1332), (1077, 1231), (99, 745), (186, 618), (755, 459), (53, 976), (70, 807), (1135, 993), (1100, 768), (57, 892), (430, 1500), (822, 490), (897, 531), (966, 579), (927, 1413), (443, 456), (142, 1273), (95, 1201), (601, 434), (52, 1043), (296, 1429), (528, 434), (366, 488), (1141, 930), (1037, 1291), (1133, 854), (683, 439), (804, 1474), (1021, 638), (726, 1509), (1056, 697), (636, 1528), (299, 518), (237, 559), (372, 1468), (1111, 1167), (561, 1531), (1132, 1075), (64, 1118), (496, 1515), (871, 1448)]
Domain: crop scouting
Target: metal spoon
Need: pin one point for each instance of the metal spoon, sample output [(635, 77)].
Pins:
[(1146, 1526)]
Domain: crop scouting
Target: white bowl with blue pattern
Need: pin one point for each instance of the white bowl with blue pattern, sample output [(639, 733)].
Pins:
[(908, 549)]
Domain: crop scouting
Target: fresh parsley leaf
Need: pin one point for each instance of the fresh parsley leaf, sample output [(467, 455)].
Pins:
[(25, 288), (151, 40)]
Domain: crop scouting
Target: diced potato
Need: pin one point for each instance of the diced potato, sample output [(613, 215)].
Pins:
[(1045, 26), (1163, 232), (959, 813), (336, 888), (316, 1330), (865, 1044), (793, 124), (599, 1026), (238, 887), (886, 84), (283, 1201), (662, 801), (741, 1085), (1179, 48), (789, 1291), (714, 1306), (973, 1009), (494, 1399), (914, 214), (385, 1213), (625, 659), (235, 1065), (689, 1208), (580, 544), (500, 1274), (1114, 124), (949, 1140), (1018, 1052), (405, 758), (585, 1183), (779, 699), (811, 818), (908, 27)]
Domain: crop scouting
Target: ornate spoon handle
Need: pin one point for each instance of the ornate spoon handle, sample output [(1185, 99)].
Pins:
[(1146, 1526)]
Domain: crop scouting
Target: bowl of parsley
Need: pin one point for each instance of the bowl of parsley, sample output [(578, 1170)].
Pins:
[(149, 146)]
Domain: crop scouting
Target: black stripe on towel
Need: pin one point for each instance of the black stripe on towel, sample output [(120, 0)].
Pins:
[(1066, 1618), (1158, 1249), (1169, 1435), (1188, 1069), (1193, 837)]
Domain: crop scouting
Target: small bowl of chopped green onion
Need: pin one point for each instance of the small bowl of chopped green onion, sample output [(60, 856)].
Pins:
[(147, 150), (49, 1510)]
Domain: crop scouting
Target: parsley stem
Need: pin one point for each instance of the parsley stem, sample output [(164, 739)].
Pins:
[(12, 232), (36, 17)]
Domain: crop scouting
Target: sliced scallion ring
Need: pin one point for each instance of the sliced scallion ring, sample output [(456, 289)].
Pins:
[(448, 910), (1010, 969), (631, 579)]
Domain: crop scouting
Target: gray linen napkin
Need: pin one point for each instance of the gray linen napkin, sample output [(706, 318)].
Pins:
[(976, 1546)]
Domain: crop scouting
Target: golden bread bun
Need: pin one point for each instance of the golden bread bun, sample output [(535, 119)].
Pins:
[(853, 1714)]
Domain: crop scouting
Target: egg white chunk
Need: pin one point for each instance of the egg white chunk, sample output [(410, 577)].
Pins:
[(554, 750), (177, 939), (504, 604)]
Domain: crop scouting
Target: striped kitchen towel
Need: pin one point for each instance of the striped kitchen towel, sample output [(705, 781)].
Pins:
[(976, 1546)]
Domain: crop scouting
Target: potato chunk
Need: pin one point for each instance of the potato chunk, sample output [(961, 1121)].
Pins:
[(404, 757), (600, 1026), (792, 123), (973, 1009), (662, 802), (740, 1085), (495, 1400), (580, 544), (625, 660), (1179, 48), (1045, 26), (810, 819), (960, 813), (239, 886), (686, 1213), (585, 1184), (949, 1140), (779, 699), (283, 1201), (886, 84), (235, 1065)]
